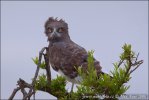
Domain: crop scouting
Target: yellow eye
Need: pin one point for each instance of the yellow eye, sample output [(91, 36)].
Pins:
[(50, 30), (60, 30)]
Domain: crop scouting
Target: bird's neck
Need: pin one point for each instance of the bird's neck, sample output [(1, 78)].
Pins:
[(60, 40)]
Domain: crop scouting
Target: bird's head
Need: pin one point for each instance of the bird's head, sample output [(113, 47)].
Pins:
[(56, 30)]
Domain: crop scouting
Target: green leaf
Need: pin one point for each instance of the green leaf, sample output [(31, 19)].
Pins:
[(35, 60), (43, 65)]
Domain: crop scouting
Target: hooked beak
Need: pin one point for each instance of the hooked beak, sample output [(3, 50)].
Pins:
[(54, 35)]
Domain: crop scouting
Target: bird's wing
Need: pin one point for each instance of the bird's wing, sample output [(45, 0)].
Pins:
[(68, 57)]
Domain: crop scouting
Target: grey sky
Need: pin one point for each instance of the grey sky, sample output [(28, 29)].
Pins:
[(95, 25)]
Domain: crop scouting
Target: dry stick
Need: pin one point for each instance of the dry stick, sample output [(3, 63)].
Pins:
[(32, 91), (14, 93), (138, 64), (22, 84), (137, 57), (48, 71), (25, 85), (23, 92)]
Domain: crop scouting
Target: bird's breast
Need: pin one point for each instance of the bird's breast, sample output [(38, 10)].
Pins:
[(66, 58), (76, 79)]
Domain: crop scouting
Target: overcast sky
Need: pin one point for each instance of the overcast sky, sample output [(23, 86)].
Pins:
[(95, 25)]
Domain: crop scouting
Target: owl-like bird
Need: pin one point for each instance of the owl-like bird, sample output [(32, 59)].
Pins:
[(65, 56)]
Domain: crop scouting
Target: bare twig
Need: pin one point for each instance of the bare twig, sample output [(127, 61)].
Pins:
[(137, 57), (22, 84), (39, 63), (32, 91), (138, 64), (48, 71), (120, 62), (23, 92), (14, 93)]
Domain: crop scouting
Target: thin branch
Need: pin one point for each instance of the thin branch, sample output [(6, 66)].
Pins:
[(137, 57), (22, 84), (138, 64), (48, 71), (23, 92), (39, 63), (120, 62), (31, 91), (14, 93), (129, 66)]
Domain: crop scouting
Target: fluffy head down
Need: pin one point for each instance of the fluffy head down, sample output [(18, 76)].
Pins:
[(56, 30)]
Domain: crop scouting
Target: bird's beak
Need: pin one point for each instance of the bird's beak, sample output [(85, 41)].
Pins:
[(53, 34)]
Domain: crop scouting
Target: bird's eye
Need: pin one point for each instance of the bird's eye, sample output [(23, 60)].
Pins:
[(50, 30), (60, 30)]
